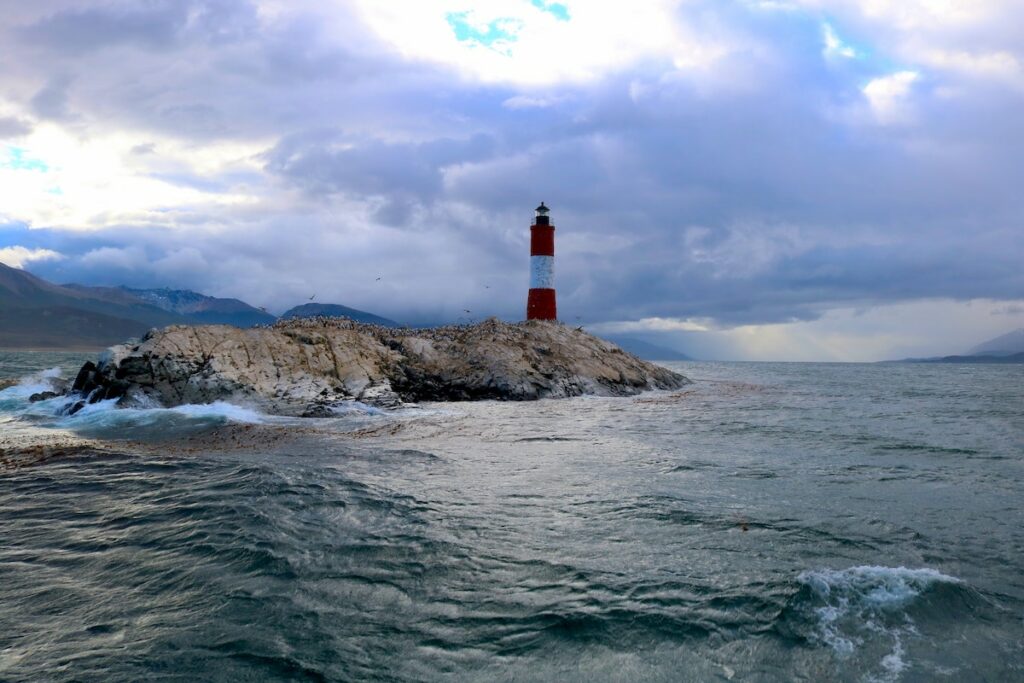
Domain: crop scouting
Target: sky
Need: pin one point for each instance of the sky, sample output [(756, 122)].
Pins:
[(740, 179)]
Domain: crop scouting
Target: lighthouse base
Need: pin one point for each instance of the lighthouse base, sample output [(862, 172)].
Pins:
[(540, 305)]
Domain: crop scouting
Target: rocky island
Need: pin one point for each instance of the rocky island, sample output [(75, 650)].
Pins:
[(313, 367)]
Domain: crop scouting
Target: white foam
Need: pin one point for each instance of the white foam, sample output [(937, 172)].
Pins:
[(883, 587), (355, 408), (223, 409), (31, 384), (858, 600), (107, 412)]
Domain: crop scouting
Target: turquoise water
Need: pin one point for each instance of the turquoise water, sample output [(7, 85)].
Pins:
[(770, 522)]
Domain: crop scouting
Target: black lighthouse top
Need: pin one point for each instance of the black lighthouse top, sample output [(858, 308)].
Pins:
[(542, 215)]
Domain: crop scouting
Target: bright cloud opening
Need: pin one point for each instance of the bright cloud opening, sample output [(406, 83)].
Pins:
[(57, 178), (532, 42)]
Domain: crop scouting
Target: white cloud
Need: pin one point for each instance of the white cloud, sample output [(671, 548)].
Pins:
[(127, 258), (530, 102), (888, 96), (91, 182), (834, 47), (999, 64), (17, 256), (597, 39)]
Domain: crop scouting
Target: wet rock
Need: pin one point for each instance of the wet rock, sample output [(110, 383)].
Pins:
[(42, 396), (380, 395), (84, 376)]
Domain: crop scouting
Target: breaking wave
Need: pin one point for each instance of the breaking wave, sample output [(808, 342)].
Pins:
[(108, 420), (104, 418), (867, 611)]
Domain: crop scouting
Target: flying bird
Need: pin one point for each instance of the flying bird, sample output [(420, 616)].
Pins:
[(377, 280), (312, 297)]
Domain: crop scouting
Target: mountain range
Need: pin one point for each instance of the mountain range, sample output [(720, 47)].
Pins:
[(1006, 348), (1008, 344), (35, 313)]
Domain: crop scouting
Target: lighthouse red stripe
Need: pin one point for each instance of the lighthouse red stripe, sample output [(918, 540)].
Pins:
[(542, 240), (540, 305)]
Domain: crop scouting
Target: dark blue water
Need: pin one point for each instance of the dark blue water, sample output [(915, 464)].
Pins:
[(771, 522)]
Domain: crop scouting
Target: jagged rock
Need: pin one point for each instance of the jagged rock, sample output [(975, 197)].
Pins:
[(308, 366), (42, 396)]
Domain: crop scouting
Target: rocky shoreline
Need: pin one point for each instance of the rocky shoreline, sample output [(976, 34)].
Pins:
[(315, 367)]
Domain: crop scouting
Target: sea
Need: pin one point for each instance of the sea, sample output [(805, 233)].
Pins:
[(769, 522)]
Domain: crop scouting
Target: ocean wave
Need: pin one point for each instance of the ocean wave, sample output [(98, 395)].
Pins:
[(105, 418), (866, 607), (35, 383), (146, 421)]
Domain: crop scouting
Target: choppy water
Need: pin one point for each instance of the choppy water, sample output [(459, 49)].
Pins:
[(771, 522)]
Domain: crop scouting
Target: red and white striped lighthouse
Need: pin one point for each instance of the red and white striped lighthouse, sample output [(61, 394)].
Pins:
[(540, 305)]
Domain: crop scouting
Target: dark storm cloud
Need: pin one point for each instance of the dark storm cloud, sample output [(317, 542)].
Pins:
[(157, 25), (329, 162), (51, 102), (763, 190), (77, 30)]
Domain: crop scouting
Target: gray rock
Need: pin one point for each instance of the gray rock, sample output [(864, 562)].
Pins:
[(308, 366)]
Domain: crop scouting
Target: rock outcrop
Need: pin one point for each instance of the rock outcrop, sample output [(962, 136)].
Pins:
[(314, 366)]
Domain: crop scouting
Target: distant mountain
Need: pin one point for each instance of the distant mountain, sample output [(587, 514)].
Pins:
[(1005, 345), (196, 307), (204, 308), (37, 313), (645, 350), (337, 311)]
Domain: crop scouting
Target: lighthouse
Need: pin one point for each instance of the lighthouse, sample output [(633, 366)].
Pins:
[(540, 304)]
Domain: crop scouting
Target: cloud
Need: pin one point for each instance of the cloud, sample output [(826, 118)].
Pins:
[(18, 256), (724, 165), (834, 47), (52, 101), (888, 96), (12, 127)]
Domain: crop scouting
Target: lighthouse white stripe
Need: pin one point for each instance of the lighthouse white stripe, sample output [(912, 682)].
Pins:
[(542, 272)]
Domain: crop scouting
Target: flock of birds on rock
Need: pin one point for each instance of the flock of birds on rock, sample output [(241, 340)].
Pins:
[(442, 333)]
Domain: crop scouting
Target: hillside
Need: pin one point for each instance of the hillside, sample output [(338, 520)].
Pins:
[(336, 311), (994, 358), (37, 313), (1004, 345)]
